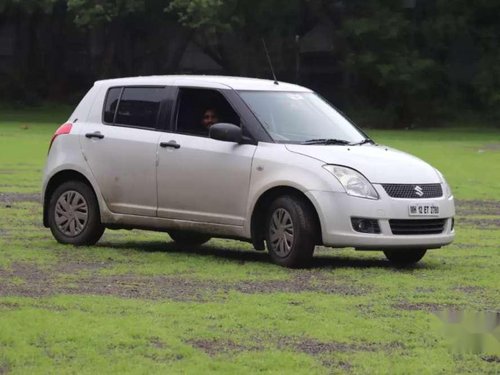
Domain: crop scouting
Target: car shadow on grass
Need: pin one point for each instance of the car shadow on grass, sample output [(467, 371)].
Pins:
[(243, 256), (358, 262)]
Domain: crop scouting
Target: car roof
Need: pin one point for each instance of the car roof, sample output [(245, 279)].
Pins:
[(218, 82)]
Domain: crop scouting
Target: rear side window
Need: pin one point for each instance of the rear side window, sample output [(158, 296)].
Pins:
[(137, 106)]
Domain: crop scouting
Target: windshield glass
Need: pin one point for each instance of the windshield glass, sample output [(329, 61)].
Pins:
[(300, 117)]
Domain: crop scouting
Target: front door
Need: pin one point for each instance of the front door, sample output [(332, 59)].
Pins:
[(202, 179)]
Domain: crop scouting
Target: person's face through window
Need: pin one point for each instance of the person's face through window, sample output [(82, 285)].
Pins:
[(209, 118)]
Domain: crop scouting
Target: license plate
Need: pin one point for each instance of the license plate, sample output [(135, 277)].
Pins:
[(423, 209)]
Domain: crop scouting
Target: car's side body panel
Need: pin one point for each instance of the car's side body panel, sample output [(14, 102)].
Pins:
[(204, 179), (65, 156), (124, 165)]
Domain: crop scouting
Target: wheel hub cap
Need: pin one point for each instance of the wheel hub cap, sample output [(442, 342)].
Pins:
[(71, 213), (281, 232)]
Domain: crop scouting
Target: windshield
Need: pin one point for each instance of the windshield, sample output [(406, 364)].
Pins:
[(301, 117)]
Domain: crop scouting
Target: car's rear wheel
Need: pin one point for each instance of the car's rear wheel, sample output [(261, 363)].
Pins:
[(186, 238), (405, 257), (290, 231), (74, 216)]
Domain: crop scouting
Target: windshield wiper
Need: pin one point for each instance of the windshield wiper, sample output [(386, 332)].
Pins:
[(363, 142), (326, 141)]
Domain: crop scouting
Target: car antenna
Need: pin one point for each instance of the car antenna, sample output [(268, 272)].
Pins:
[(269, 61)]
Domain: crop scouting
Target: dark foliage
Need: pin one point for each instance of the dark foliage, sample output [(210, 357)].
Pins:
[(402, 62)]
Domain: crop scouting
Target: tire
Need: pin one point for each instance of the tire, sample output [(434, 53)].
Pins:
[(404, 257), (290, 232), (185, 238), (74, 216)]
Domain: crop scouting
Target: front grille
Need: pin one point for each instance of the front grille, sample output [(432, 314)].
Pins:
[(428, 226), (414, 191)]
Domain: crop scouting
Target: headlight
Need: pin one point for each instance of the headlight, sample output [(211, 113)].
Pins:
[(354, 183), (446, 187)]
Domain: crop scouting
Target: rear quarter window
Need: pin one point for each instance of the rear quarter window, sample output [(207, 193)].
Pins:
[(110, 104)]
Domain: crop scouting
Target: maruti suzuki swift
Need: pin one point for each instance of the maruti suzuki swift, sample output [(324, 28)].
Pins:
[(280, 168)]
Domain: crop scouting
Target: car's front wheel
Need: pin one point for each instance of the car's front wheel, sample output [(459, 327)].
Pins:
[(405, 257), (290, 231), (74, 216)]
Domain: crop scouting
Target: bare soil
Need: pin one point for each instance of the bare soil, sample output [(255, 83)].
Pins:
[(10, 198), (32, 281), (423, 306), (215, 347), (477, 207)]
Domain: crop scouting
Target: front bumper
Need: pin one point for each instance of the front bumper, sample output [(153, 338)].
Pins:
[(335, 210)]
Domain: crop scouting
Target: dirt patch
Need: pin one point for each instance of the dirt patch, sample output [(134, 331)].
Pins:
[(154, 288), (35, 280), (183, 289), (157, 343), (423, 306), (9, 198), (214, 347), (477, 207), (9, 305), (72, 267), (343, 365), (42, 282), (469, 289), (39, 282), (492, 223), (316, 348), (302, 281), (491, 358), (466, 245)]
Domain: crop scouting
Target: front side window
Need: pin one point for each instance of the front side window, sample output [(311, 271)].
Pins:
[(136, 106), (300, 117), (199, 109)]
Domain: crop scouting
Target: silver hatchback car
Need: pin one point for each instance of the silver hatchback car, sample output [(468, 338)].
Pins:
[(230, 157)]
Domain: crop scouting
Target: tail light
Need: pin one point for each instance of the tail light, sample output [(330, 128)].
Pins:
[(63, 129)]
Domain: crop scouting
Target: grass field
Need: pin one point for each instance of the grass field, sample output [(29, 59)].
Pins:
[(137, 303)]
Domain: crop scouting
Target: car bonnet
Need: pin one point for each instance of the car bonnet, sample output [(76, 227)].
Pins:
[(380, 164)]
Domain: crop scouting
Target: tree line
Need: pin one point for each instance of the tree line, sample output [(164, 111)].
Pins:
[(404, 61)]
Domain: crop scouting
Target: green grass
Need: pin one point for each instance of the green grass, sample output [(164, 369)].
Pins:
[(24, 140), (138, 303)]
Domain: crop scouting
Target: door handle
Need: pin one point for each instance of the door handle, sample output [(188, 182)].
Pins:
[(94, 135), (172, 144)]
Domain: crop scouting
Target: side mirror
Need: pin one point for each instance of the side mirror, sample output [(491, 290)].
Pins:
[(223, 131)]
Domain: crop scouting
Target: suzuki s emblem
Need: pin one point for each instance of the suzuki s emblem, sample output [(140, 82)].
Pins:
[(418, 191)]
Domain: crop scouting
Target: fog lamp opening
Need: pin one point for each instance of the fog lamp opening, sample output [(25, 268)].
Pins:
[(365, 225)]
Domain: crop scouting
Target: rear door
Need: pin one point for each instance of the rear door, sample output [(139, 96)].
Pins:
[(120, 147), (202, 179)]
